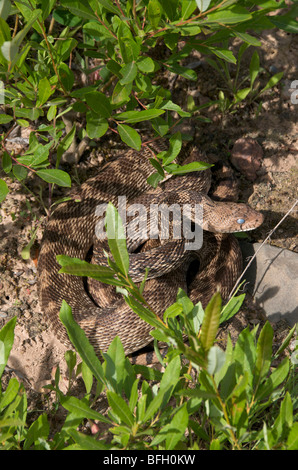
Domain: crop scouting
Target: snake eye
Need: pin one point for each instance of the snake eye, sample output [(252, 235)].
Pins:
[(240, 221)]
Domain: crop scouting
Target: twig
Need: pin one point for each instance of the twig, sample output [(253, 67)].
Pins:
[(263, 243)]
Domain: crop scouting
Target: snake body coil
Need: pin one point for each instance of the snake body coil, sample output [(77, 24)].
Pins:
[(71, 231)]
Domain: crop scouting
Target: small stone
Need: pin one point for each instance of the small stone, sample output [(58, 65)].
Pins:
[(273, 281), (246, 156)]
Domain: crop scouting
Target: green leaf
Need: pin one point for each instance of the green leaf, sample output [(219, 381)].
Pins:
[(171, 374), (273, 81), (5, 118), (56, 177), (216, 359), (114, 365), (241, 385), (177, 427), (285, 342), (121, 93), (264, 352), (9, 50), (66, 76), (188, 7), (19, 172), (230, 15), (10, 393), (174, 150), (3, 190), (285, 22), (143, 312), (203, 4), (170, 106), (52, 111), (188, 168), (38, 429), (99, 103), (6, 342), (292, 441), (71, 360), (129, 48), (189, 74), (81, 409), (284, 421), (173, 311), (120, 408), (25, 253), (4, 33), (78, 338), (154, 13), (170, 8), (108, 5), (116, 239), (211, 322), (32, 114), (138, 116), (157, 166), (154, 179), (65, 143), (173, 432), (129, 73), (64, 49), (79, 8), (87, 377), (247, 38), (40, 155), (130, 136), (96, 30), (254, 67), (6, 162), (231, 308), (86, 442), (146, 64), (274, 380), (44, 91), (241, 94), (245, 354), (31, 15), (96, 126), (224, 54), (78, 267), (5, 7)]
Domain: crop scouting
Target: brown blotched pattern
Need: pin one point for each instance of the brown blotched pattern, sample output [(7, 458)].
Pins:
[(71, 231)]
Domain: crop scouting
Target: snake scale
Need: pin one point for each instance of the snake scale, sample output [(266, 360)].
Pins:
[(70, 231)]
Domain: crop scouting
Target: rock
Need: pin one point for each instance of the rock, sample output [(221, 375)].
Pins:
[(246, 156), (273, 281)]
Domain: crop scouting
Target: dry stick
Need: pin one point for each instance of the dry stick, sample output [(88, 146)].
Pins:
[(263, 243)]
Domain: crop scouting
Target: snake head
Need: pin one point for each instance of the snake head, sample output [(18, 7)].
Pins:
[(231, 217)]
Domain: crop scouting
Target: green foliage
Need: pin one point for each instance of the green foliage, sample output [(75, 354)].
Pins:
[(132, 44), (242, 397)]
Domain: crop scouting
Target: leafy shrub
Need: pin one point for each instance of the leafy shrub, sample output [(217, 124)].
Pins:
[(121, 48)]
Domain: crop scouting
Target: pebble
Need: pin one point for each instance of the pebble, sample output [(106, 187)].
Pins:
[(247, 156), (273, 281)]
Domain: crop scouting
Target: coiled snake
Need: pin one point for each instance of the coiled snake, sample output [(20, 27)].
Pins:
[(71, 231)]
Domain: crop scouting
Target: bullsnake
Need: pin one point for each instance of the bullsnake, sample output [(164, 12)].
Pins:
[(70, 231)]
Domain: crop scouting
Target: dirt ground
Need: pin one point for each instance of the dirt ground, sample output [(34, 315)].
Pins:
[(36, 352)]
